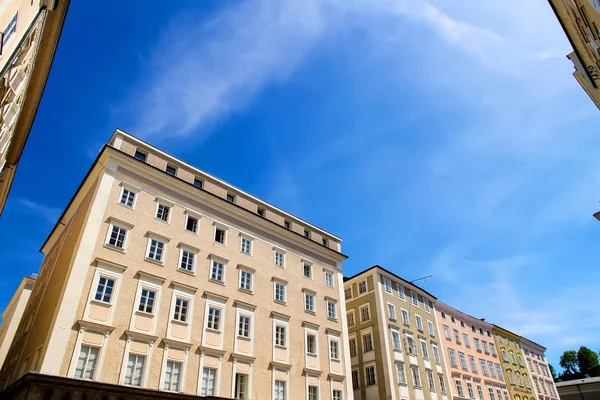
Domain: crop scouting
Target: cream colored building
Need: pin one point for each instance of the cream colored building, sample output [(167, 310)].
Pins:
[(395, 345), (161, 276), (539, 371), (518, 378), (580, 19), (29, 33), (11, 317)]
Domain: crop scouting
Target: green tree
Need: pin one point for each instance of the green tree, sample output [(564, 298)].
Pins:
[(553, 372), (569, 362), (587, 359)]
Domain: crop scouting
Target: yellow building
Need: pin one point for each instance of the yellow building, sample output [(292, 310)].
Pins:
[(11, 317), (161, 276), (580, 19), (30, 30), (513, 364)]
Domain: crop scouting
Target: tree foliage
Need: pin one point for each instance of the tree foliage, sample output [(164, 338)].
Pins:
[(553, 372), (569, 362), (587, 360)]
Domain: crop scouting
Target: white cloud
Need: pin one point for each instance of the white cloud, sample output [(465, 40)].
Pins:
[(50, 214)]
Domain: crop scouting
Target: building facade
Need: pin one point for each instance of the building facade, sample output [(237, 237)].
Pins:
[(538, 370), (470, 355), (515, 370), (394, 340), (163, 277), (11, 317), (580, 19), (29, 36)]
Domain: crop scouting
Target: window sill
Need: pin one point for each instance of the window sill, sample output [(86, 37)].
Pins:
[(420, 330), (217, 281), (448, 339), (115, 248), (246, 254), (392, 319), (420, 387), (213, 330), (220, 244), (330, 286), (283, 303), (310, 312), (250, 292), (153, 261), (126, 206), (160, 220), (192, 232), (365, 321), (144, 313), (332, 319), (101, 303), (278, 346), (177, 322), (187, 272), (244, 338)]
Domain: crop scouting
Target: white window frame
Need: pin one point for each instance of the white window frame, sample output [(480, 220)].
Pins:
[(188, 215), (158, 239), (366, 367), (391, 309), (167, 204), (387, 284), (405, 313), (415, 298), (280, 252), (396, 333), (222, 228), (246, 239), (245, 270), (284, 285), (222, 261), (329, 274), (368, 306), (131, 190), (310, 268), (210, 325), (400, 289), (329, 303), (96, 365), (306, 294), (122, 225), (419, 323), (338, 348), (353, 319), (194, 253), (214, 301), (363, 334), (430, 328), (401, 373), (364, 281)]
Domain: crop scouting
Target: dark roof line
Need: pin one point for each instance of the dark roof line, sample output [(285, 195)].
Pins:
[(391, 273)]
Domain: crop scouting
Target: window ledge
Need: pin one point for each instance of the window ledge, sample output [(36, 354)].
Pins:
[(115, 248), (217, 282), (405, 324), (393, 319), (185, 271), (420, 330), (100, 303), (192, 232), (402, 384), (250, 292), (244, 338), (283, 303), (448, 339), (144, 313), (160, 220), (125, 205), (153, 261), (177, 322), (332, 319), (278, 346), (213, 330), (310, 312)]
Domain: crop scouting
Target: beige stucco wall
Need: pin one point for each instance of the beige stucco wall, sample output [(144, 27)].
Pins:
[(507, 341), (11, 317), (27, 11)]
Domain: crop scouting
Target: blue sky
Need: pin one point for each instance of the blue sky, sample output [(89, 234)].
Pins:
[(442, 137)]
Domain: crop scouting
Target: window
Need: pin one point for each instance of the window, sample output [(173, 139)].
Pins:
[(350, 319), (355, 381), (230, 198), (191, 224), (172, 374), (307, 270), (411, 348), (436, 354), (181, 310), (147, 301), (246, 245), (430, 380), (370, 376), (198, 182), (86, 363), (473, 364), (241, 384), (426, 304), (442, 383), (457, 336), (400, 291), (325, 242), (466, 339), (307, 234), (331, 310), (486, 349), (280, 292), (163, 212), (334, 349), (353, 348), (470, 389), (492, 370), (481, 331), (279, 390), (362, 287), (329, 278), (396, 341), (287, 224), (459, 388), (171, 170), (156, 250), (214, 319), (443, 314), (489, 333), (391, 311), (452, 358), (367, 343), (462, 324), (117, 236), (311, 344), (401, 373), (491, 392), (483, 367), (135, 370), (245, 280), (405, 319), (313, 393), (104, 290), (387, 284), (447, 332), (415, 299), (463, 360), (188, 259), (365, 313), (430, 327), (473, 329), (424, 350), (477, 344), (337, 394), (493, 349), (280, 335), (279, 259), (244, 326), (348, 293), (480, 392), (261, 212), (219, 235), (127, 197), (309, 302), (419, 322), (140, 155), (415, 376), (208, 381), (217, 271)]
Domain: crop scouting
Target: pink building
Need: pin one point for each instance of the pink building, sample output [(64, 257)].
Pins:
[(538, 370)]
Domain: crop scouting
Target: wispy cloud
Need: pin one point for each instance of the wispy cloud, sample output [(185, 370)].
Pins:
[(50, 214)]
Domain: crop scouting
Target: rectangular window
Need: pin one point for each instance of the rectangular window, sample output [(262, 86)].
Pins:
[(171, 169), (459, 388), (156, 250), (287, 224), (117, 236), (140, 155), (405, 319), (163, 212), (329, 278), (387, 284), (480, 392), (492, 369), (419, 322), (477, 344), (198, 182), (353, 348), (355, 380), (370, 376), (307, 234), (348, 293), (230, 198), (280, 335), (473, 364), (261, 212), (401, 373), (105, 289), (172, 374), (447, 332), (430, 327), (280, 292), (244, 326), (470, 389), (334, 349), (396, 341), (187, 260), (426, 304), (217, 271), (181, 310), (499, 372), (311, 344), (135, 370), (415, 376), (280, 390), (410, 346), (466, 339), (220, 235), (86, 363), (365, 313), (436, 354), (325, 242), (415, 299), (337, 394), (400, 291), (493, 349), (241, 386), (430, 380), (367, 343), (246, 246), (442, 383), (391, 311), (307, 268), (463, 360), (191, 224), (483, 367), (313, 393), (491, 392), (452, 358), (279, 259), (350, 319), (245, 280), (457, 336), (147, 301), (309, 302), (362, 287), (208, 381), (331, 310), (214, 319), (486, 349), (127, 198), (424, 350)]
